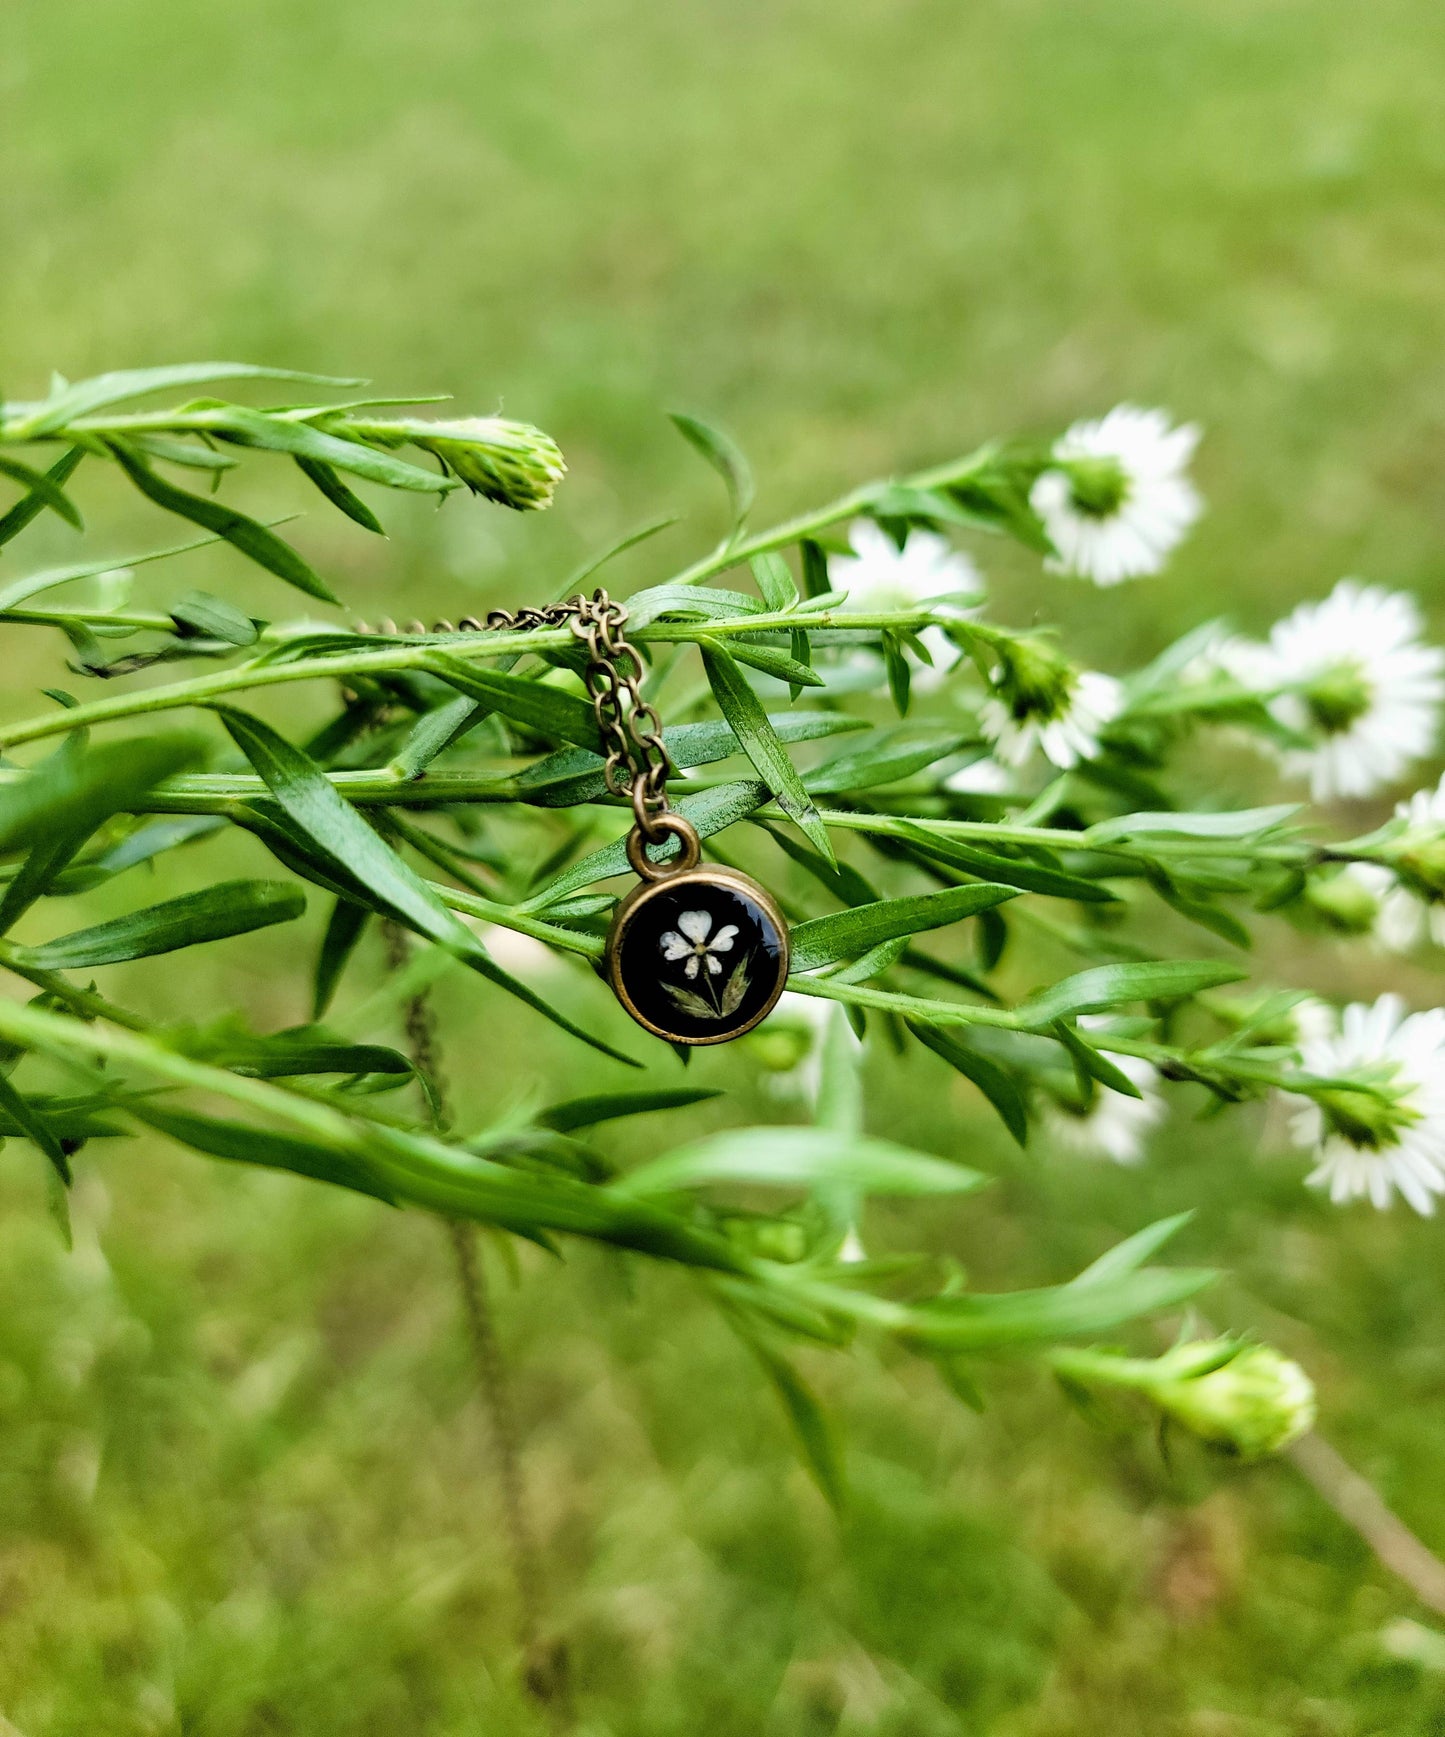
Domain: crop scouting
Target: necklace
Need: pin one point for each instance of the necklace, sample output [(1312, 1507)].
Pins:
[(696, 953)]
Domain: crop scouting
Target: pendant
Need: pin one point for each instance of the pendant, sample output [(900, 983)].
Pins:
[(696, 954)]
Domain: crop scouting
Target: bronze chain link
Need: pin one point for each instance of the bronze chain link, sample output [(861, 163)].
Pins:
[(637, 763)]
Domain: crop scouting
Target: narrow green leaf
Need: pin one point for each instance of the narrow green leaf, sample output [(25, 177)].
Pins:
[(779, 664), (18, 1110), (998, 1085), (800, 1158), (726, 459), (1125, 1256), (1106, 986), (255, 428), (198, 613), (815, 569), (330, 484), (52, 577), (775, 581), (75, 793), (1023, 872), (847, 934), (709, 811), (242, 1143), (46, 861), (1241, 823), (1017, 1320), (365, 867), (1093, 1065), (743, 710), (343, 931), (547, 710), (575, 1113), (232, 908), (247, 535), (814, 1433), (99, 393), (840, 1079), (20, 515), (38, 482), (883, 757), (305, 1049)]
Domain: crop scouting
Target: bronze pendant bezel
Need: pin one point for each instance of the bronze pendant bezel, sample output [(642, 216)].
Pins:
[(708, 875)]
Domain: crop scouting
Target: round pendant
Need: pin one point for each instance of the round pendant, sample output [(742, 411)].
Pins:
[(696, 954)]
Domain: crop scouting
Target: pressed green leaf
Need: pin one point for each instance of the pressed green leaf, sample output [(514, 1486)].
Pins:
[(39, 482), (709, 811), (364, 867), (1243, 823), (232, 908), (100, 392), (330, 484), (1016, 1320), (800, 1158), (743, 710), (17, 1109), (242, 1143), (1106, 986), (343, 931), (882, 758), (998, 1085), (75, 793), (726, 459), (1125, 1256), (547, 710), (13, 522), (847, 934), (576, 1113), (249, 536)]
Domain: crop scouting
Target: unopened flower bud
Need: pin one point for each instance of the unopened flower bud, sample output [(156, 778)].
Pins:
[(509, 462), (1254, 1404), (1341, 902)]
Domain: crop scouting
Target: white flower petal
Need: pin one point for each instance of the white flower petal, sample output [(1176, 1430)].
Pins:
[(673, 946), (695, 925), (723, 940)]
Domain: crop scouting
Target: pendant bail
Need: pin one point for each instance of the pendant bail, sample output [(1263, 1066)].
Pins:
[(682, 829)]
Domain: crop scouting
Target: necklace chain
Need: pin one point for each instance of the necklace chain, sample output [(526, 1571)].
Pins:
[(637, 763)]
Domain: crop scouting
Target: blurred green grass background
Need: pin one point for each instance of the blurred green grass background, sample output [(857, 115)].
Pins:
[(244, 1485)]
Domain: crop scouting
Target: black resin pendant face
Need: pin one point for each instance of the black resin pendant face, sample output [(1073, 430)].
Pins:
[(698, 956)]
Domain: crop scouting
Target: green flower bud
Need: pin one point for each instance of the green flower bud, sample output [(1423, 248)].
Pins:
[(1034, 680), (1254, 1404), (509, 462), (1339, 902), (1338, 697), (1097, 485)]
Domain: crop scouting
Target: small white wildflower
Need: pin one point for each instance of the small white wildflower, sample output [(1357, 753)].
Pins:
[(1404, 918), (1116, 502), (1112, 1126), (1366, 1148), (878, 575), (1064, 727), (981, 777), (1361, 686)]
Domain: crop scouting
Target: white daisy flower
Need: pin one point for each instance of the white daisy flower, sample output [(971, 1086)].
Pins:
[(1366, 1148), (1116, 502), (694, 944), (1113, 1126), (981, 777), (1065, 726), (878, 575), (1362, 687), (1404, 920)]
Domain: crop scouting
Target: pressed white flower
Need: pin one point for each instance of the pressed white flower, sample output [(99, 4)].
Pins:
[(878, 575), (1116, 502), (1362, 687), (1064, 726), (1113, 1126), (697, 944), (1365, 1147)]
